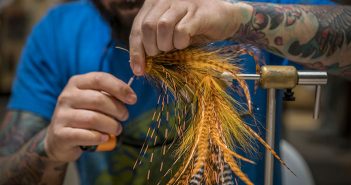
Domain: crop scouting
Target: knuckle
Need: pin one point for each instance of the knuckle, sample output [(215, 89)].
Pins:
[(181, 39), (180, 29), (73, 79), (90, 118), (58, 134), (164, 24), (55, 133), (62, 117), (97, 99), (73, 119), (65, 97), (148, 26), (97, 78)]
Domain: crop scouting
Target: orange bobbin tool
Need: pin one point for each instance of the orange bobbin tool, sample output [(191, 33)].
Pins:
[(108, 145)]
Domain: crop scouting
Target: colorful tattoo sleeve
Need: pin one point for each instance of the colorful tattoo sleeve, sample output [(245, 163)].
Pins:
[(316, 36), (23, 159)]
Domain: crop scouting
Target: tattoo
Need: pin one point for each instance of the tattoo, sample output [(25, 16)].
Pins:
[(313, 35), (334, 32), (23, 158), (17, 128)]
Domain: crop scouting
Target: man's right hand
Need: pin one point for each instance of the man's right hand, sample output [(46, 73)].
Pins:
[(89, 109)]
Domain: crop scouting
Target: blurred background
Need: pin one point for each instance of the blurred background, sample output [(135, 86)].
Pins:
[(17, 18), (325, 144)]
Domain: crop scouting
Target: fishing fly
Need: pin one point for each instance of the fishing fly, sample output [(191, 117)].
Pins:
[(208, 120)]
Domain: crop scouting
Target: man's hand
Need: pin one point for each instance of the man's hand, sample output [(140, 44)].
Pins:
[(163, 25), (90, 107)]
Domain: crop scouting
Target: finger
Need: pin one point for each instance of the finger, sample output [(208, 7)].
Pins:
[(108, 83), (137, 55), (82, 137), (186, 29), (166, 26), (101, 102), (90, 120), (136, 48), (149, 27)]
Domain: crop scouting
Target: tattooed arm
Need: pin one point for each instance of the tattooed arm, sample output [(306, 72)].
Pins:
[(23, 159), (316, 36)]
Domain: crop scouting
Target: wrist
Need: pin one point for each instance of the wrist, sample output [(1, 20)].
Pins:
[(47, 150), (44, 149), (37, 147), (241, 15)]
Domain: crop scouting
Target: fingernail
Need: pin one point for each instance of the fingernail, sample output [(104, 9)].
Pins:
[(119, 130), (137, 69), (104, 138), (125, 116), (132, 98)]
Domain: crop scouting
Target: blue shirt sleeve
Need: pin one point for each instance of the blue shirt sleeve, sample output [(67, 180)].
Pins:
[(37, 83)]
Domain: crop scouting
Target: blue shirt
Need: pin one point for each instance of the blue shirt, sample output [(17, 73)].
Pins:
[(74, 39)]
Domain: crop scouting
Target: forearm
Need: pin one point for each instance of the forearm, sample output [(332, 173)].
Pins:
[(23, 159), (317, 36), (30, 165)]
